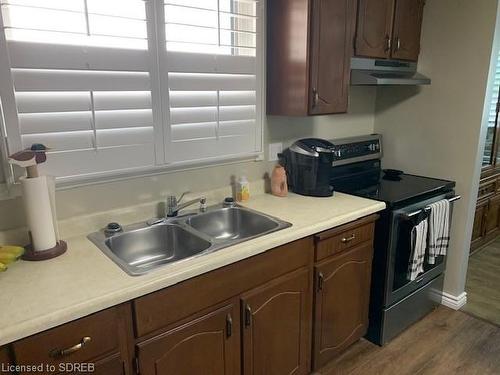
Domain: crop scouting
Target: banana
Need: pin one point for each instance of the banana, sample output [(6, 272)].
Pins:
[(3, 267), (16, 250), (7, 258)]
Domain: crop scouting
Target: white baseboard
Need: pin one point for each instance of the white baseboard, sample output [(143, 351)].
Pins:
[(454, 302)]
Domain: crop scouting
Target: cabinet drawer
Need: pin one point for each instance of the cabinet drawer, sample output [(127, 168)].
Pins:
[(345, 237), (102, 328)]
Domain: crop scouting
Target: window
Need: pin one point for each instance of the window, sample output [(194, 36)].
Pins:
[(489, 153), (110, 91)]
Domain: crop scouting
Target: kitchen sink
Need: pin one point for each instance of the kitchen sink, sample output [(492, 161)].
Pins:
[(140, 248), (232, 223)]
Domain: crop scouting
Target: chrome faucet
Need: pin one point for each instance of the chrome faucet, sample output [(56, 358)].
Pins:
[(174, 205)]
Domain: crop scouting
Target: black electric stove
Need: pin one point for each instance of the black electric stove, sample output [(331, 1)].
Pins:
[(395, 191), (396, 301)]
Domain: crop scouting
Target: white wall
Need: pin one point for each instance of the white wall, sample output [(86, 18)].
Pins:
[(107, 196), (435, 130)]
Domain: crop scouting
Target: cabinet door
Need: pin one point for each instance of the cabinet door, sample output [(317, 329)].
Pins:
[(4, 358), (407, 29), (341, 302), (479, 224), (331, 50), (276, 332), (492, 223), (208, 344), (374, 29)]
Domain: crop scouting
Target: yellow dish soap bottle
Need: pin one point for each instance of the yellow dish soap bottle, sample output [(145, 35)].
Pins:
[(243, 190)]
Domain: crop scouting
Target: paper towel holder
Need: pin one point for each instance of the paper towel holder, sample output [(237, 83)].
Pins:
[(29, 159)]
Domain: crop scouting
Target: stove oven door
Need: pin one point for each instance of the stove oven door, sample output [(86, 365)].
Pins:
[(398, 283)]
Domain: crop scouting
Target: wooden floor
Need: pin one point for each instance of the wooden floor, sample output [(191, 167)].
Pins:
[(483, 284), (445, 342)]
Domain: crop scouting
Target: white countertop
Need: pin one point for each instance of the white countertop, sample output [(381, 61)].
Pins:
[(36, 296)]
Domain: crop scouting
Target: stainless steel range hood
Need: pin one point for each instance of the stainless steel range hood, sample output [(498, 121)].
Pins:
[(372, 72)]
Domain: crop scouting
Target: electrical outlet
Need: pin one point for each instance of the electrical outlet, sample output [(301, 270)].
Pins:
[(274, 150)]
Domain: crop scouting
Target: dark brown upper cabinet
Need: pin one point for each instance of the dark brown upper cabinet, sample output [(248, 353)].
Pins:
[(309, 50), (374, 31), (389, 29)]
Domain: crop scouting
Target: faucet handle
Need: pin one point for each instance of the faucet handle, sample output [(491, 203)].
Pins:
[(182, 196), (203, 204)]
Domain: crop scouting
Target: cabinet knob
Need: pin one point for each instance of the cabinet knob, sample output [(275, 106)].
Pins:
[(57, 353), (398, 44), (388, 44), (229, 325), (315, 97), (321, 279), (348, 239)]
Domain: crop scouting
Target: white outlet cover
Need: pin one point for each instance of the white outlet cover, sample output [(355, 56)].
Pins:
[(274, 150)]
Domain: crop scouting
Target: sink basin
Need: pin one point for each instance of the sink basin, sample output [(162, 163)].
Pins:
[(140, 250), (232, 223)]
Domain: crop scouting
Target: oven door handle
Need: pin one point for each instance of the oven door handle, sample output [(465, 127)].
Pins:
[(425, 209)]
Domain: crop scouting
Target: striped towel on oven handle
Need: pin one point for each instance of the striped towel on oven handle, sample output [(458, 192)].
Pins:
[(418, 247), (439, 229)]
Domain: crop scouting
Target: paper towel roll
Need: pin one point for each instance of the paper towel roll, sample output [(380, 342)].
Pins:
[(40, 212)]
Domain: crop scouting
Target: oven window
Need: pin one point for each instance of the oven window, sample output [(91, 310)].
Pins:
[(403, 253)]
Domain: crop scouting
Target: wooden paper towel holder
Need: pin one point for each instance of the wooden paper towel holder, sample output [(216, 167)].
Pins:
[(32, 255)]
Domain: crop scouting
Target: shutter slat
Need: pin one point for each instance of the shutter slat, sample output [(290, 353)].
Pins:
[(185, 62), (121, 137), (36, 123), (124, 119), (201, 130), (54, 56), (69, 80), (30, 102), (210, 82), (61, 141)]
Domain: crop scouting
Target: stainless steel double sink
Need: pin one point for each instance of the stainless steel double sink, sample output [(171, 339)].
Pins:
[(140, 248)]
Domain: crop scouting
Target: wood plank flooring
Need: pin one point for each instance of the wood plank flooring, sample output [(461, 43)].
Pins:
[(444, 342), (483, 283)]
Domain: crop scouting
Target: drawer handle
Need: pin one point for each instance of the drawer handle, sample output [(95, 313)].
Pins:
[(73, 349), (348, 239)]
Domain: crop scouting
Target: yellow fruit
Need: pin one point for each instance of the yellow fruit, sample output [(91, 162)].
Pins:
[(7, 258), (3, 267), (16, 250)]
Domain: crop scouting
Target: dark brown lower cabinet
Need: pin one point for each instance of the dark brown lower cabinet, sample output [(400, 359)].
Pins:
[(252, 317), (341, 301), (207, 344), (276, 320)]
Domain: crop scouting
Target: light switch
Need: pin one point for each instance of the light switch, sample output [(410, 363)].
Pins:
[(274, 150)]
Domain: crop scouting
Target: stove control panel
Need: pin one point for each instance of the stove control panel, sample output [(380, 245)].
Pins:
[(356, 149)]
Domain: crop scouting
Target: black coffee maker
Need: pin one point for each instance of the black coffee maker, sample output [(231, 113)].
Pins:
[(308, 164)]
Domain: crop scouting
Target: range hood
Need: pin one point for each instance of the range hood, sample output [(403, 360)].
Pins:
[(372, 72)]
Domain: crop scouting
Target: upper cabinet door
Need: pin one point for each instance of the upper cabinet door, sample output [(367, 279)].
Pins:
[(407, 29), (374, 30), (333, 23)]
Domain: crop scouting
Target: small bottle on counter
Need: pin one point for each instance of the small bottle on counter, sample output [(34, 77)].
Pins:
[(242, 189)]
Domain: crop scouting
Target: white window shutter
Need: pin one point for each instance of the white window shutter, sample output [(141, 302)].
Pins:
[(81, 73), (211, 64)]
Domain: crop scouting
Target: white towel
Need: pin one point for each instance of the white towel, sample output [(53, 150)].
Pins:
[(418, 247), (439, 229)]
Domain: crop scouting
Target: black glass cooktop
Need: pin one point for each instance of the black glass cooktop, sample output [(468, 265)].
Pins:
[(396, 190)]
